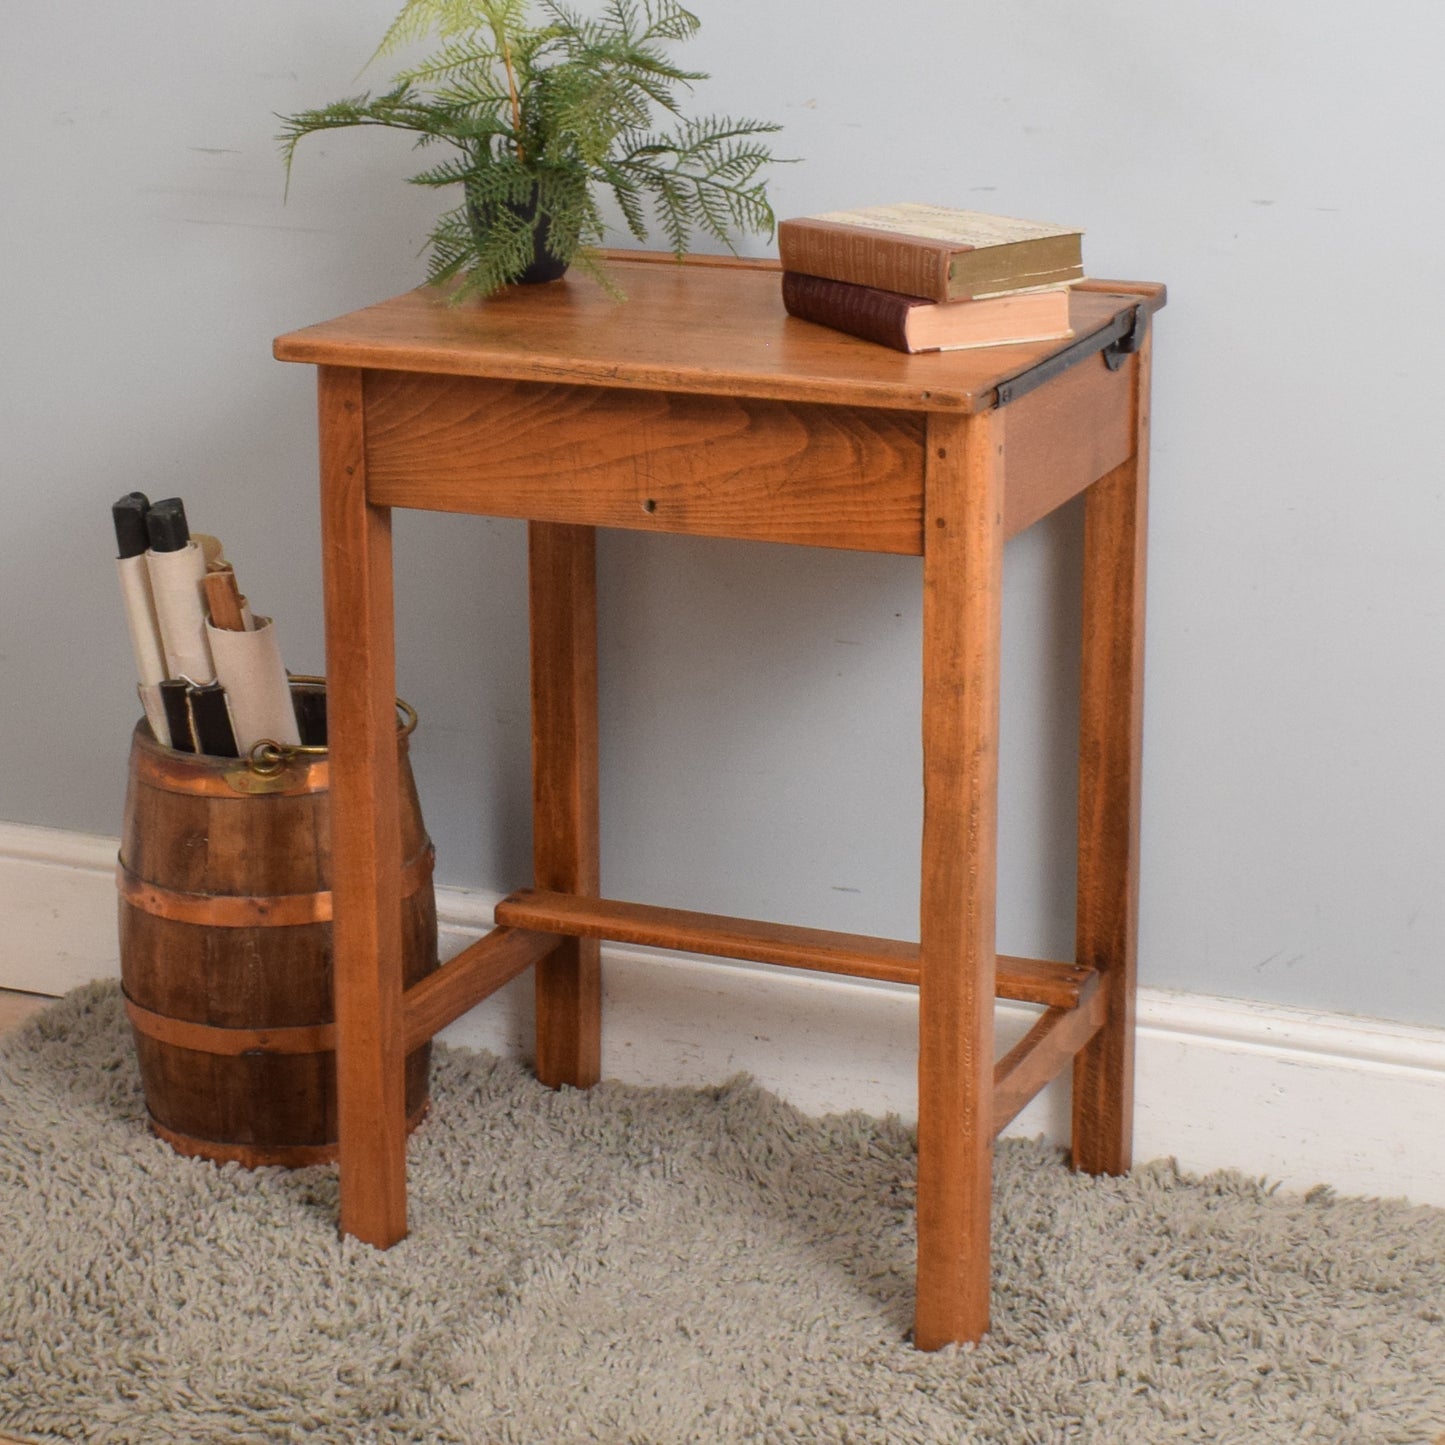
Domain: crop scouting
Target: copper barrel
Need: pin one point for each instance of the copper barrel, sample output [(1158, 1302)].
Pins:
[(225, 944)]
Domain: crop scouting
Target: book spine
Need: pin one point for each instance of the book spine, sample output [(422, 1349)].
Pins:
[(858, 310), (907, 265)]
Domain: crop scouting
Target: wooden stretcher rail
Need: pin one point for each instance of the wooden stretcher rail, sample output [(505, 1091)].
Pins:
[(1025, 980), (477, 972), (1044, 1052)]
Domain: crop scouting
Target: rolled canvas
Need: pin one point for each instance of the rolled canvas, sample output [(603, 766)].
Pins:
[(145, 640), (249, 667), (175, 579)]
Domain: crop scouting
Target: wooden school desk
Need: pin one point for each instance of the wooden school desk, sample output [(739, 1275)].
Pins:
[(699, 407)]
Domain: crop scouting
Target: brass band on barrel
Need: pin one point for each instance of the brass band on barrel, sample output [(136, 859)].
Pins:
[(270, 768), (199, 776), (229, 910)]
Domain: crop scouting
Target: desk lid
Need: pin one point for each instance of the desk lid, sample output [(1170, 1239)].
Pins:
[(709, 325)]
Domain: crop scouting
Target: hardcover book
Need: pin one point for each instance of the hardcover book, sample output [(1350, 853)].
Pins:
[(934, 252), (907, 323)]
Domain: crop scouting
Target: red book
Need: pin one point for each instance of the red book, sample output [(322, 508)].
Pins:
[(907, 323)]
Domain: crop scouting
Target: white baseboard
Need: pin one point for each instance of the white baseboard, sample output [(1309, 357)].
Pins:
[(57, 908), (1301, 1098)]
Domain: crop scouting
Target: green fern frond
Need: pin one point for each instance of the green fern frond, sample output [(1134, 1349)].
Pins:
[(543, 114), (667, 20), (463, 98), (451, 247), (420, 18), (628, 195), (456, 62), (452, 172)]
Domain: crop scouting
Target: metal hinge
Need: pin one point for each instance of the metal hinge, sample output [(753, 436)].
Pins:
[(1130, 341)]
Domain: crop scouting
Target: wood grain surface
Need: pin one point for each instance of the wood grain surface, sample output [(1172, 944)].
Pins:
[(366, 841), (1043, 1053), (717, 330), (962, 601), (562, 577), (1111, 734), (700, 406), (1063, 437), (825, 476), (855, 955)]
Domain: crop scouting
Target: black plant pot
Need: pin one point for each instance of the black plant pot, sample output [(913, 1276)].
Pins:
[(544, 266)]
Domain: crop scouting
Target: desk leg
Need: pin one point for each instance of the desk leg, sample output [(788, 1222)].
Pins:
[(1111, 733), (563, 573), (365, 826), (962, 576)]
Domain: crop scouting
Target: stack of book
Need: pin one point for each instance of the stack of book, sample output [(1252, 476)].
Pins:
[(929, 278)]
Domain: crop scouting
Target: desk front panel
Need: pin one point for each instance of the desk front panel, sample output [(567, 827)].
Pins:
[(720, 466)]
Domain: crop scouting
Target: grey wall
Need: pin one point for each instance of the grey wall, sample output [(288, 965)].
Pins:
[(1277, 165)]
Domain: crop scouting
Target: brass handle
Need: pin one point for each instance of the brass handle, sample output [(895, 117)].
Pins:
[(267, 758)]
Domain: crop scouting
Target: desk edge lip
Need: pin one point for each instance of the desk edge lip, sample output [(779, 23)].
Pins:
[(294, 346), (881, 396)]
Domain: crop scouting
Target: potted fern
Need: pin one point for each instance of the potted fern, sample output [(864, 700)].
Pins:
[(540, 117)]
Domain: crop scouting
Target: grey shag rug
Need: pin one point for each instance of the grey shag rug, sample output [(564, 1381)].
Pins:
[(651, 1267)]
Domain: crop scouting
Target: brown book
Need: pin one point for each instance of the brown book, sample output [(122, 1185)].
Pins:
[(931, 251), (907, 323)]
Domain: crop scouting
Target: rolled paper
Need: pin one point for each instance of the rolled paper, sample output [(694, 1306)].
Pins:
[(145, 640), (176, 579), (154, 705), (249, 667), (140, 617), (212, 549)]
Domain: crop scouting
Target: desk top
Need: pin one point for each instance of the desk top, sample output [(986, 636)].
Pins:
[(709, 325)]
